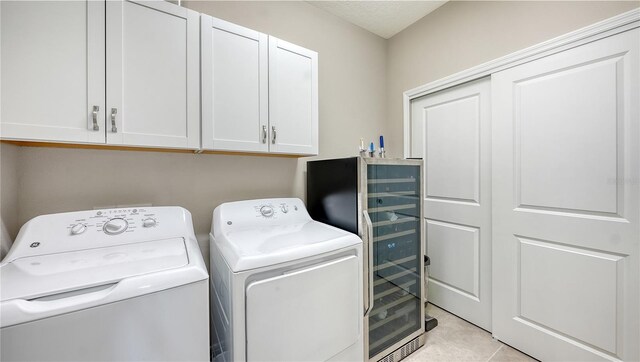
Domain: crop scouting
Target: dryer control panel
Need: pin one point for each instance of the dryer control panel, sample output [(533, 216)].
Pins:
[(275, 208), (63, 232), (256, 213)]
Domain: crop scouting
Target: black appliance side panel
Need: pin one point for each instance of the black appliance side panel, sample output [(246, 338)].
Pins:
[(332, 192)]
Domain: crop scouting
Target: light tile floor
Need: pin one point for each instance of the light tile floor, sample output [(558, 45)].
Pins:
[(455, 339)]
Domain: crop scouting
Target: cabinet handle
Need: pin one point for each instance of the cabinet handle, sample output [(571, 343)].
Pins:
[(273, 135), (96, 109), (114, 111), (264, 134)]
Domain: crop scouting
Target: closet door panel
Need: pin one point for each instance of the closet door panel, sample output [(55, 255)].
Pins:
[(456, 141), (566, 209)]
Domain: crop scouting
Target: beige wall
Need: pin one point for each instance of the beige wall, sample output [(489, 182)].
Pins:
[(463, 34), (352, 104), (56, 180), (9, 177)]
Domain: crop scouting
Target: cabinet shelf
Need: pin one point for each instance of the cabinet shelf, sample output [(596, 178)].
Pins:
[(394, 288), (402, 312), (390, 336), (396, 299), (400, 220), (391, 180), (406, 198), (394, 263), (394, 235), (393, 194), (392, 208), (394, 276)]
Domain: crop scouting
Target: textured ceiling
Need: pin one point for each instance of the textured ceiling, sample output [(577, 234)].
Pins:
[(384, 18)]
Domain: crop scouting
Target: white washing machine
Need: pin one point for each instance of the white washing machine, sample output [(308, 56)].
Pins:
[(284, 287), (109, 285)]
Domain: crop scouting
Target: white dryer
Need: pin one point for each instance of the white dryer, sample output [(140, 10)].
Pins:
[(109, 285), (284, 287)]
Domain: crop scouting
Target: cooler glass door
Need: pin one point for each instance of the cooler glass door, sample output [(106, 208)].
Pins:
[(393, 204)]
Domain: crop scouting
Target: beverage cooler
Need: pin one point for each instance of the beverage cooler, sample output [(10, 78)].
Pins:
[(380, 200)]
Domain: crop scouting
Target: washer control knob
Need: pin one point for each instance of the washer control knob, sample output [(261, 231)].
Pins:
[(115, 226), (266, 211), (284, 208), (149, 222), (78, 229)]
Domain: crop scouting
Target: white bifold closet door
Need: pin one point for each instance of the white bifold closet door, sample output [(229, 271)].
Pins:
[(566, 203), (457, 155)]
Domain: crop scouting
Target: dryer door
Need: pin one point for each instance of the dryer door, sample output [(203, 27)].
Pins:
[(310, 314)]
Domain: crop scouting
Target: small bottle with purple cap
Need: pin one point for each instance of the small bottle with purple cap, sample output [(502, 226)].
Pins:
[(381, 151)]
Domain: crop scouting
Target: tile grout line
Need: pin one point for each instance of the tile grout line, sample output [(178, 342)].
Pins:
[(494, 353)]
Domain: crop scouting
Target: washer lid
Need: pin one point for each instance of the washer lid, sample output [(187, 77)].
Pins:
[(46, 275), (264, 246)]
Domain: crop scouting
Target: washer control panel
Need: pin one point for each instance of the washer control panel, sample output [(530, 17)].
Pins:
[(80, 230), (115, 221)]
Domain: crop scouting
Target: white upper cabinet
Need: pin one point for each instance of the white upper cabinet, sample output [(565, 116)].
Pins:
[(259, 93), (134, 73), (52, 71), (234, 87), (293, 98), (55, 62), (152, 75)]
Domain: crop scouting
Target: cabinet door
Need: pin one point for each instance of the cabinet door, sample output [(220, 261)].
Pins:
[(234, 87), (566, 203), (293, 98), (153, 96), (52, 71)]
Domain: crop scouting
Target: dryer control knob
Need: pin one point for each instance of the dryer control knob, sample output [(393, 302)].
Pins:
[(284, 208), (149, 222), (266, 211), (115, 226), (78, 229)]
